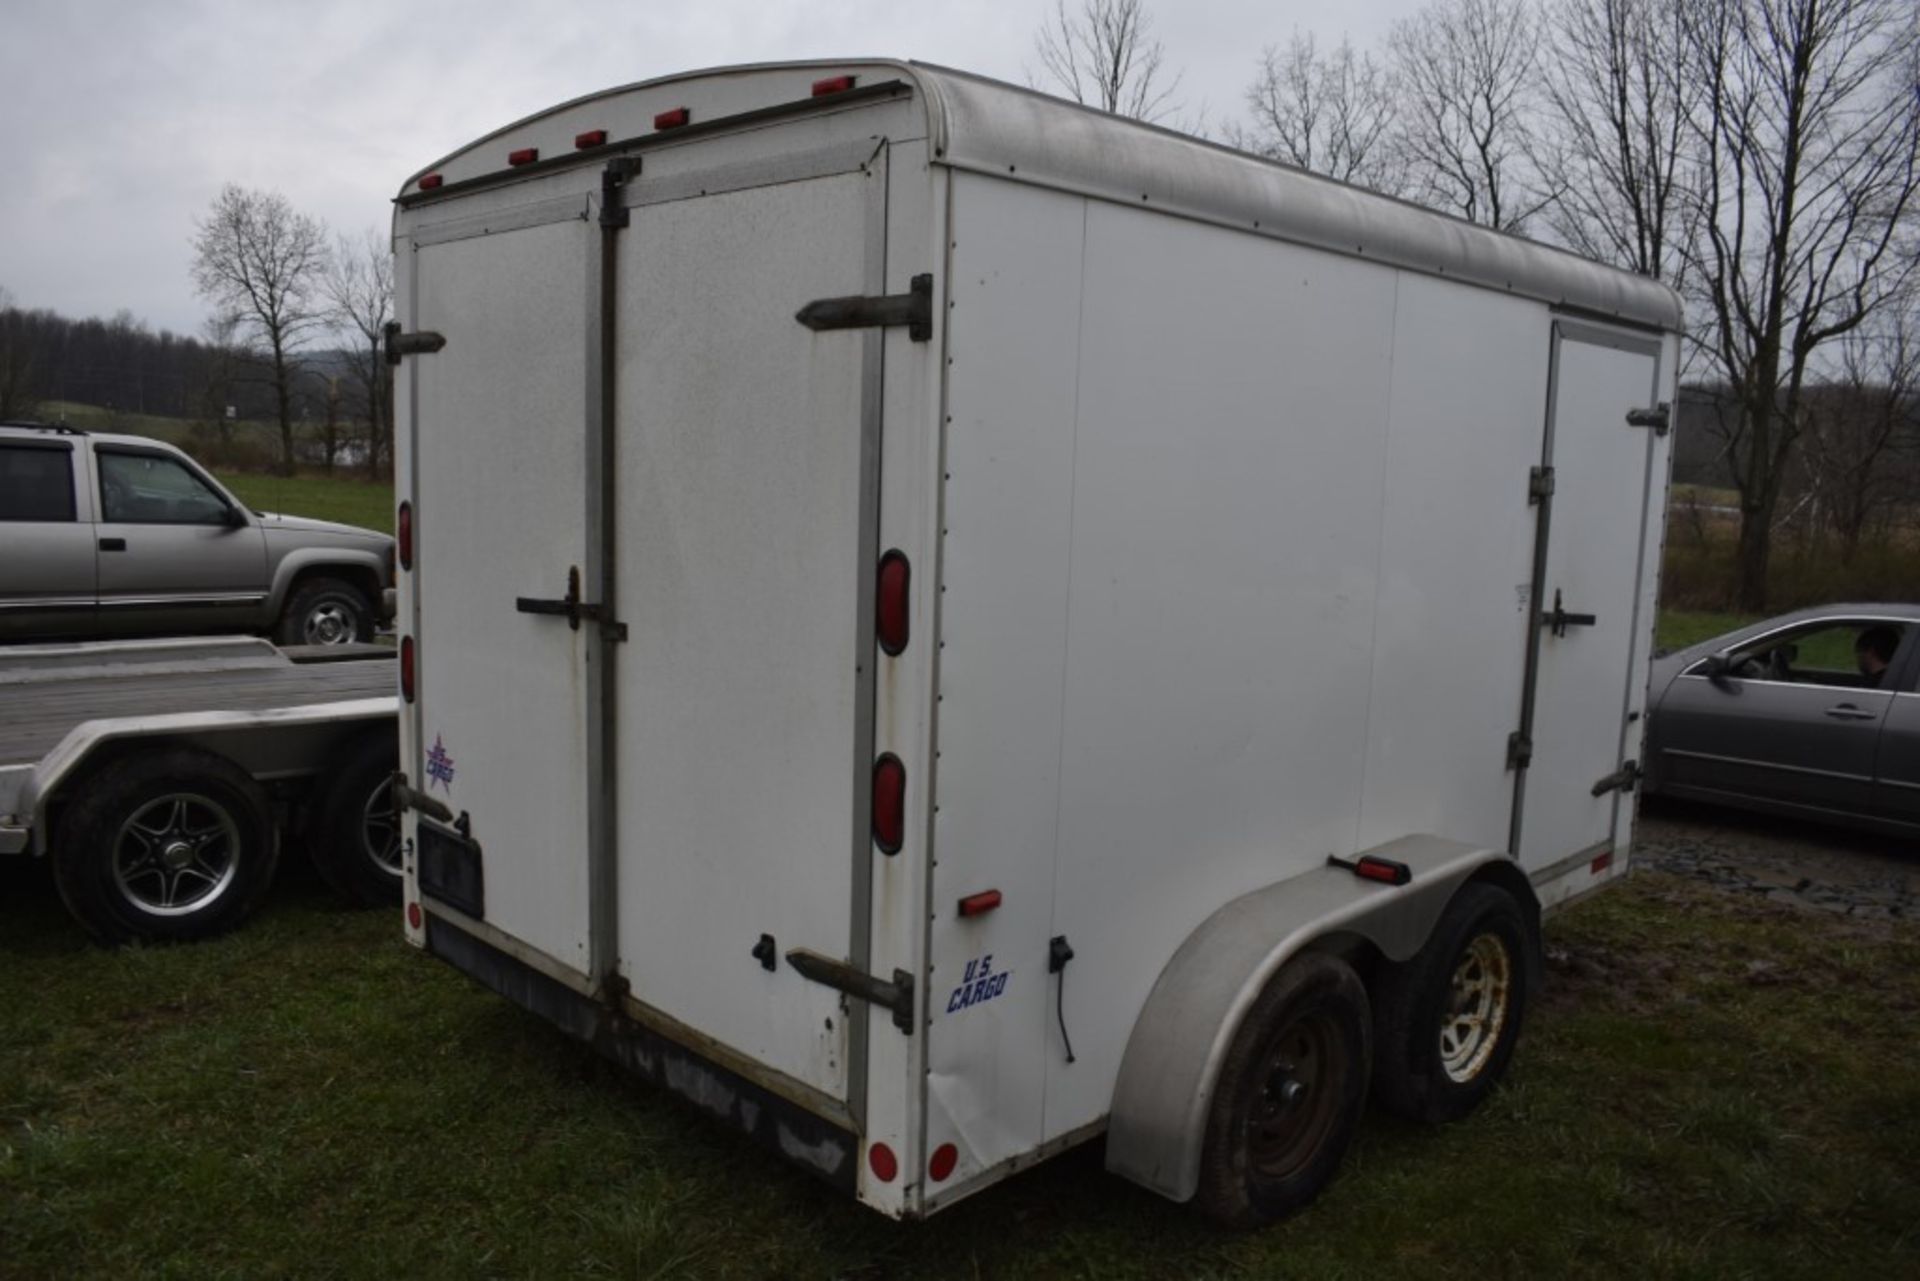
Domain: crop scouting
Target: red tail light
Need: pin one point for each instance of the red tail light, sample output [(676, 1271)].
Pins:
[(890, 603), (403, 534), (889, 803), (524, 156), (591, 138), (406, 668), (832, 85), (672, 119), (885, 1166), (429, 181)]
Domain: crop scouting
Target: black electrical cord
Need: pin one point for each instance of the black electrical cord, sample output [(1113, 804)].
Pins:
[(1059, 952)]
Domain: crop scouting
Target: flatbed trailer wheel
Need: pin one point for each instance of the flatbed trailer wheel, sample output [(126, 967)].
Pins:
[(1289, 1096), (353, 834), (170, 844), (1445, 1022)]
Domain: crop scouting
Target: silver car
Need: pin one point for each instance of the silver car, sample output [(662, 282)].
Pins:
[(104, 535), (1813, 713)]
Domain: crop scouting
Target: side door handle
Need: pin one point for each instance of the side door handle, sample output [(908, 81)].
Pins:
[(113, 544), (1848, 712)]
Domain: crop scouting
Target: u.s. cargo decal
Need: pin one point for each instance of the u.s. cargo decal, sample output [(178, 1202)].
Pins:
[(979, 984)]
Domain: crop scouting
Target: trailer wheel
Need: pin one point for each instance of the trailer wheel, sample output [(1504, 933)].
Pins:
[(1445, 1023), (354, 834), (325, 611), (172, 844), (1289, 1096)]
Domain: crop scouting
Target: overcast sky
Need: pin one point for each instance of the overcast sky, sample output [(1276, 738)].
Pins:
[(124, 117)]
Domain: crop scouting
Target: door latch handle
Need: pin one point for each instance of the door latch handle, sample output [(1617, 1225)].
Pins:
[(1848, 712), (113, 544), (1621, 780), (572, 608), (1559, 619)]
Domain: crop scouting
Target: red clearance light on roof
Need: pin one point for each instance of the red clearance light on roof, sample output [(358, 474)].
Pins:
[(591, 138), (406, 668), (980, 904), (890, 603), (832, 85), (672, 119), (403, 534), (889, 803), (429, 181), (524, 156)]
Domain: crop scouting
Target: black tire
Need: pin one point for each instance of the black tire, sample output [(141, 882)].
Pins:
[(325, 611), (1289, 1097), (1430, 1063), (168, 845), (354, 851)]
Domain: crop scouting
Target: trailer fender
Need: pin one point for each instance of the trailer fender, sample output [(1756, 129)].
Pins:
[(1173, 1056)]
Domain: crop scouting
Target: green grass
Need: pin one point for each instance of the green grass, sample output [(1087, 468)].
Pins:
[(312, 1097), (1679, 628), (100, 418), (356, 502)]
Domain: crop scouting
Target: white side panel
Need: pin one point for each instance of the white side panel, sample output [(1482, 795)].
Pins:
[(1226, 532), (1469, 381), (1008, 496), (740, 568), (1602, 471), (500, 480)]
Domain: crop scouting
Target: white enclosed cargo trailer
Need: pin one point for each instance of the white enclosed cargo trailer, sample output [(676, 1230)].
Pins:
[(945, 623)]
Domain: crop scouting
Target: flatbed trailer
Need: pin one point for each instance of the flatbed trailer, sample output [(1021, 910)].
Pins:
[(160, 776)]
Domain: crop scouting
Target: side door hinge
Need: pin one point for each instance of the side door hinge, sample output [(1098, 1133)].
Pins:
[(614, 213), (1660, 418), (896, 996), (914, 309), (398, 345), (1519, 750), (1621, 780), (1539, 485)]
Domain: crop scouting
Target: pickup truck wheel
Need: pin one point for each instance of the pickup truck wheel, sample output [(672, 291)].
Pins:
[(354, 834), (325, 611), (1289, 1097), (1445, 1023), (173, 844)]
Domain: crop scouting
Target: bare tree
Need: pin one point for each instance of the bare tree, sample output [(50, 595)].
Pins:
[(360, 289), (19, 371), (1861, 429), (1103, 54), (1807, 147), (261, 263), (1616, 111), (1466, 69), (1330, 113)]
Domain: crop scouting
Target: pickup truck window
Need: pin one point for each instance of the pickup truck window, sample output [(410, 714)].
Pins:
[(150, 489), (36, 483)]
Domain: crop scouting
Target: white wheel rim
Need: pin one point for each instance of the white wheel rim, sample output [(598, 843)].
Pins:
[(1476, 1011)]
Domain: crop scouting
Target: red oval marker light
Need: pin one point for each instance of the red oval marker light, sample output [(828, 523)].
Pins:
[(429, 181), (890, 602), (832, 85), (413, 915), (672, 119), (406, 668), (945, 1157), (403, 534), (591, 138), (882, 1162), (889, 803)]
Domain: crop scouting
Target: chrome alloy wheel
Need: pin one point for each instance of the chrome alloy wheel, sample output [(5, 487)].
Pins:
[(380, 829), (176, 854), (1478, 999), (329, 623)]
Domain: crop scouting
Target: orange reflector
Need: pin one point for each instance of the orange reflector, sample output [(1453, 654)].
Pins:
[(831, 85), (889, 803), (890, 603), (406, 668), (881, 1160), (945, 1157), (672, 119), (591, 138), (980, 904), (524, 156), (1602, 861), (413, 915), (429, 181)]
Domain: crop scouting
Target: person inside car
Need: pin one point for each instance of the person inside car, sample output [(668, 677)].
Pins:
[(1873, 651)]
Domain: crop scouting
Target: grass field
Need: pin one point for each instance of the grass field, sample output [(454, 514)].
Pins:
[(356, 502), (1708, 1089)]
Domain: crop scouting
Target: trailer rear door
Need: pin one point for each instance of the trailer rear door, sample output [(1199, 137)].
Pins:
[(747, 460)]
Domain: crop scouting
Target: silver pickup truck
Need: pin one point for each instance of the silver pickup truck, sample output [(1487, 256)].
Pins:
[(104, 535)]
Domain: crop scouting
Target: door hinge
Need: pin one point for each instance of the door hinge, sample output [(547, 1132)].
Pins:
[(914, 309), (397, 344), (1539, 485), (1519, 750), (1659, 418), (896, 996), (573, 609), (614, 213), (1621, 780)]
